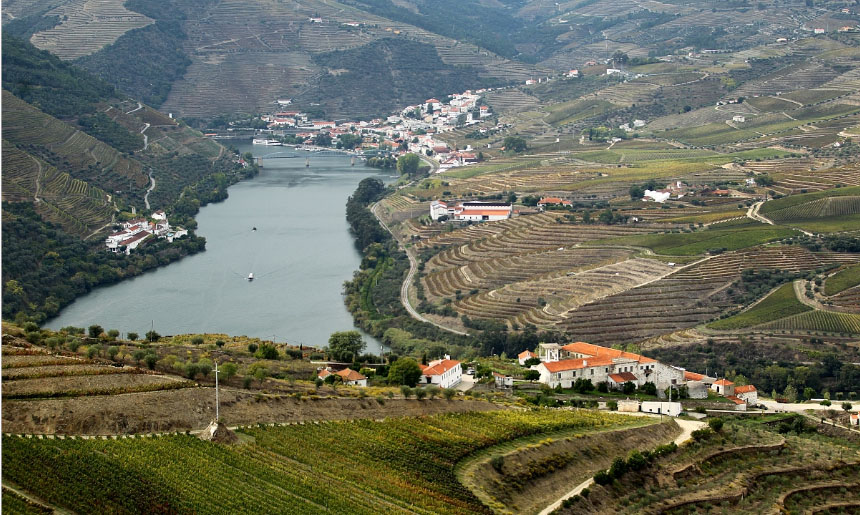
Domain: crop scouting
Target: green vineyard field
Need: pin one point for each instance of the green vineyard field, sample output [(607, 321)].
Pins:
[(364, 466), (825, 321)]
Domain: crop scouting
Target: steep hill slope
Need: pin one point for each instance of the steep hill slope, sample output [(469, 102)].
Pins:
[(78, 157)]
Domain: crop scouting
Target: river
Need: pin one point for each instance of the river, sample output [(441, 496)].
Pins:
[(300, 254)]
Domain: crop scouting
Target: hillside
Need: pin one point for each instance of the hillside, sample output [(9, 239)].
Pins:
[(79, 157), (201, 59)]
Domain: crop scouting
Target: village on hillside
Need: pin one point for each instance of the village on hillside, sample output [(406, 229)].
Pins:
[(137, 232)]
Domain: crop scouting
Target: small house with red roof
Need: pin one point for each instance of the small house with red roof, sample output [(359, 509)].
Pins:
[(724, 387), (854, 419), (740, 405), (553, 201), (524, 356), (444, 373), (349, 376), (747, 393), (503, 381)]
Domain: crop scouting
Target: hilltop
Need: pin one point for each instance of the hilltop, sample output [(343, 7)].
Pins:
[(202, 59)]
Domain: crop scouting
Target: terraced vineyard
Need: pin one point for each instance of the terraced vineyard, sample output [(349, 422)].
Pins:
[(818, 321), (754, 470), (34, 375), (361, 466), (87, 26)]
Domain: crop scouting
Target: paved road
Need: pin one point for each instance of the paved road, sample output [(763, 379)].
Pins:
[(687, 428), (151, 187), (404, 288)]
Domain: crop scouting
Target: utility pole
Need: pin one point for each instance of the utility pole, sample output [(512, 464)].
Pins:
[(217, 403)]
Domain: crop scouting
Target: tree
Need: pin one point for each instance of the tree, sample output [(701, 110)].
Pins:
[(228, 369), (407, 164), (420, 393), (150, 360), (266, 351), (716, 424), (406, 391), (515, 144), (449, 393), (531, 375), (152, 336), (629, 387), (433, 391), (620, 57), (252, 348), (345, 346), (112, 351), (846, 406), (404, 371), (95, 330), (113, 334), (132, 336), (197, 340), (649, 388), (531, 361), (258, 371), (790, 393)]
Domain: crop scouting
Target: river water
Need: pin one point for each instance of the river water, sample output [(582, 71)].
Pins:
[(300, 255)]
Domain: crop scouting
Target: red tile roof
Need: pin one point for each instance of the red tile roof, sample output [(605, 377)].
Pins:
[(622, 377), (692, 376), (724, 382), (597, 350), (526, 354), (484, 212), (349, 374), (575, 364), (440, 367), (735, 399), (745, 389)]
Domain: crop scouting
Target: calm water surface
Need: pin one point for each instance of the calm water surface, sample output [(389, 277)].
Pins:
[(300, 255)]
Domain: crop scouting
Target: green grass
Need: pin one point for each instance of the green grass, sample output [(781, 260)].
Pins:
[(690, 244), (842, 280), (779, 304), (364, 466)]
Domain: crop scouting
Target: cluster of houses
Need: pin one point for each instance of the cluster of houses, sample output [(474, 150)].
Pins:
[(135, 232), (412, 129), (470, 211), (563, 365), (444, 373)]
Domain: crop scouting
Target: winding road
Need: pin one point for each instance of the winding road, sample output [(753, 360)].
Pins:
[(151, 187), (404, 288)]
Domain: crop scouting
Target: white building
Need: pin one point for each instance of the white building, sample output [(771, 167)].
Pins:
[(747, 393), (471, 211), (563, 365), (656, 196), (135, 232), (444, 373), (503, 381), (724, 387), (673, 409), (524, 356), (738, 118)]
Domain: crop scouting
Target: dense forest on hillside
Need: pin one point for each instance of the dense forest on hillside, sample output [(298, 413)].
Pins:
[(385, 74), (146, 62)]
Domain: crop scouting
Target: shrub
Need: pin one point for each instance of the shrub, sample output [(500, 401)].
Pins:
[(701, 434), (420, 393), (197, 340), (449, 393), (406, 391), (132, 336), (497, 463), (716, 424)]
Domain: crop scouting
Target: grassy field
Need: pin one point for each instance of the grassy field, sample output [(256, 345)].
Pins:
[(779, 304), (842, 280), (694, 243), (396, 465)]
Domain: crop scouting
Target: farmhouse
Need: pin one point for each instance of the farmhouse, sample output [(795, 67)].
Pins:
[(135, 232), (553, 201), (747, 393), (855, 419), (349, 376), (503, 381), (563, 365), (525, 355), (724, 387), (471, 211), (444, 373), (673, 409)]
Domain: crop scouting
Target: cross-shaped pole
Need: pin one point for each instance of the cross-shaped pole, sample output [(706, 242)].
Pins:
[(217, 404)]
